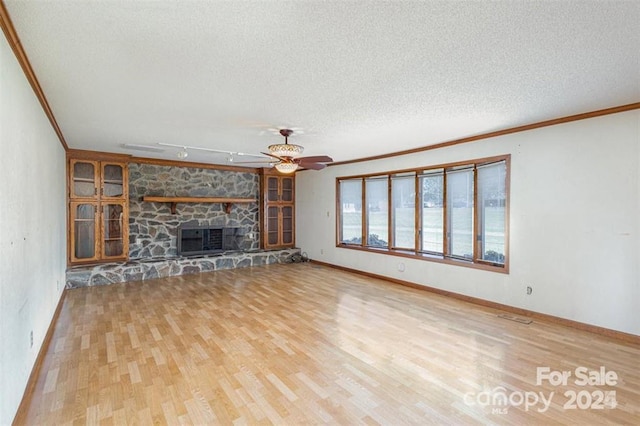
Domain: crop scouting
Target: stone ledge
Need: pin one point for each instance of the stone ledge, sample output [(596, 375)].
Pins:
[(146, 269)]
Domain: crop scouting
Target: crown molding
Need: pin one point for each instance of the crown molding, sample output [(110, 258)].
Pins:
[(524, 128), (14, 41)]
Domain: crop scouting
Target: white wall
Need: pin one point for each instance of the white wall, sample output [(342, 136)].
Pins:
[(32, 229), (575, 222)]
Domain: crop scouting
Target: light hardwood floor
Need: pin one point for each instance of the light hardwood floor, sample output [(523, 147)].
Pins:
[(307, 344)]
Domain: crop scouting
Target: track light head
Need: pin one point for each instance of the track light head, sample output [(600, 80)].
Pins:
[(183, 154)]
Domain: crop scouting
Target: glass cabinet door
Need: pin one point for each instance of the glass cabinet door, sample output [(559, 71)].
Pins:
[(272, 189), (287, 225), (112, 180), (287, 189), (84, 231), (278, 194), (272, 225), (98, 210), (113, 231), (84, 179)]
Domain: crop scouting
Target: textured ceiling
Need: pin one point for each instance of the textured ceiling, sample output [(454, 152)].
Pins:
[(357, 78)]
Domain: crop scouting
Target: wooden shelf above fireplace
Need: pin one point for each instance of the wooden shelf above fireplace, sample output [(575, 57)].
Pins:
[(228, 202)]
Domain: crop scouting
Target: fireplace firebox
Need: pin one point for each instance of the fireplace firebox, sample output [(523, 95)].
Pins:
[(199, 240)]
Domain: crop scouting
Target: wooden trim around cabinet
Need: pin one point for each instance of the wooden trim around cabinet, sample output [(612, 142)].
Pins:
[(82, 154), (21, 414), (517, 129), (614, 334), (72, 208), (14, 41), (267, 174), (71, 181)]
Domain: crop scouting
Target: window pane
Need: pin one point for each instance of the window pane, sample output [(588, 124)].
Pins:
[(404, 200), (432, 212), (491, 211), (460, 213), (377, 194), (351, 211)]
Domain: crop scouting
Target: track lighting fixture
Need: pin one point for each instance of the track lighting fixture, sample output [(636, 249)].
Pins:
[(183, 154)]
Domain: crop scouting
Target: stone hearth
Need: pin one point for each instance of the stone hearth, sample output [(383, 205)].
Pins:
[(139, 270)]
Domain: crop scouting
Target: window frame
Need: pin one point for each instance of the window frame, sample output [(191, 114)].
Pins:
[(393, 244), (416, 252), (366, 207)]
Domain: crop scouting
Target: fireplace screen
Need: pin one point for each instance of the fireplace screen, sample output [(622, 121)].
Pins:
[(206, 240)]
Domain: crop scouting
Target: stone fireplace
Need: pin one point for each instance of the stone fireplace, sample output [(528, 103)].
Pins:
[(153, 230), (154, 250)]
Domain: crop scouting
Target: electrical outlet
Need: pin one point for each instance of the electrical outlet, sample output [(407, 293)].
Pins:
[(321, 251), (31, 339), (401, 267), (529, 290)]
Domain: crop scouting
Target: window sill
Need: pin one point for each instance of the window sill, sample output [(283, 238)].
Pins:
[(485, 266)]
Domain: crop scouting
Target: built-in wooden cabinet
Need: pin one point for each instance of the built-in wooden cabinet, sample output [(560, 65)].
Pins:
[(98, 210), (277, 210)]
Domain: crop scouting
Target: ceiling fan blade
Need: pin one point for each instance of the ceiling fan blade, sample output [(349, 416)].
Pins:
[(275, 156), (316, 159), (244, 154), (311, 165)]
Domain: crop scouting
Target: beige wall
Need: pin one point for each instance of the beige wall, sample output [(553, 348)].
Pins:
[(32, 229), (575, 220)]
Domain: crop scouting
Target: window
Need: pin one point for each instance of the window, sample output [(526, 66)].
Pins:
[(452, 213), (460, 213), (492, 212), (432, 211), (377, 199), (351, 211), (403, 190)]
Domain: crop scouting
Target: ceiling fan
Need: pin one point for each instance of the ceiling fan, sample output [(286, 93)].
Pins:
[(288, 156)]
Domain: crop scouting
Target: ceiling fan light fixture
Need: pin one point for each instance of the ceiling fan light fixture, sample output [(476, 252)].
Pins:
[(285, 150), (286, 167)]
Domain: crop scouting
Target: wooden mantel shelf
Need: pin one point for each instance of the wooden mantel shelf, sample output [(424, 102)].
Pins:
[(228, 202)]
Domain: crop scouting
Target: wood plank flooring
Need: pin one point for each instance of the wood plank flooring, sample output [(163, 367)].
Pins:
[(307, 344)]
